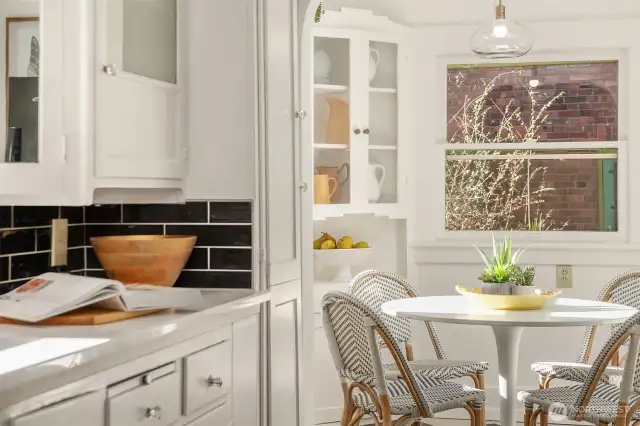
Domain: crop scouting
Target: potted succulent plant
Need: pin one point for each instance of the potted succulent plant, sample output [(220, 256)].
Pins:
[(522, 280), (496, 277)]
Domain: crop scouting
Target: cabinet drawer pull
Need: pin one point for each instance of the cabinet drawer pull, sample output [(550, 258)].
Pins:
[(214, 382), (153, 413)]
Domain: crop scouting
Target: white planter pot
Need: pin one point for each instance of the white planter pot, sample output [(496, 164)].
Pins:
[(523, 290), (497, 288)]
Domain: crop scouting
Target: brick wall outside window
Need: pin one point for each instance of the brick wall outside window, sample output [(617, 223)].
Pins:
[(588, 111)]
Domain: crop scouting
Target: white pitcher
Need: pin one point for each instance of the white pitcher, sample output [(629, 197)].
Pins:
[(374, 60), (322, 67), (375, 184)]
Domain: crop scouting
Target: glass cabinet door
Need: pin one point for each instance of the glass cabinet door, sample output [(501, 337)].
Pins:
[(143, 38), (382, 128), (332, 119)]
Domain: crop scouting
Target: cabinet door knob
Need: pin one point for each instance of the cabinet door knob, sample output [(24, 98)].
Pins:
[(110, 69), (153, 413), (301, 115), (366, 131), (303, 187), (357, 131), (214, 382)]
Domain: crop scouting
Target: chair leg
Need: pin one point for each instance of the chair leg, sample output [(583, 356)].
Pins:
[(348, 408), (534, 417), (478, 411), (544, 418), (355, 420)]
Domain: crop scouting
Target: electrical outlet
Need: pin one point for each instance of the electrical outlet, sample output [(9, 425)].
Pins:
[(564, 276), (59, 241)]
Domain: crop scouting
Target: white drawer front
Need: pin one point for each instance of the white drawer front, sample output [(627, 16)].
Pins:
[(89, 408), (220, 416), (207, 375), (155, 404)]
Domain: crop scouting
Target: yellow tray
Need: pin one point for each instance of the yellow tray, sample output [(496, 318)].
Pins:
[(529, 302)]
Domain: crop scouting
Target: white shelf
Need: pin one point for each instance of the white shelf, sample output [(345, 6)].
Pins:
[(333, 146), (383, 148), (326, 211), (329, 88), (382, 90)]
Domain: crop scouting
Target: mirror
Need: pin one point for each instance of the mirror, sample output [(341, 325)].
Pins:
[(22, 40)]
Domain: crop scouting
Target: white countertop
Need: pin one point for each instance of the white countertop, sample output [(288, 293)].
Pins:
[(39, 358)]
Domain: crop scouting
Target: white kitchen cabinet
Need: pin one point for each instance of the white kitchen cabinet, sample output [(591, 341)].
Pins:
[(89, 407), (219, 416), (106, 122), (360, 115)]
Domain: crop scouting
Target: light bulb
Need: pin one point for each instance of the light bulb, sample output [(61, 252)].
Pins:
[(500, 29)]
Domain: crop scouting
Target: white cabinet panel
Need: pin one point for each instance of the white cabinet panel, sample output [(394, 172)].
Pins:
[(89, 408), (207, 375), (285, 350), (157, 402), (246, 372), (282, 136), (221, 98)]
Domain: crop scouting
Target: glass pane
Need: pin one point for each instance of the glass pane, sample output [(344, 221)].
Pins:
[(331, 75), (383, 65), (544, 102), (150, 39), (332, 176), (22, 95), (531, 191), (382, 176), (383, 119)]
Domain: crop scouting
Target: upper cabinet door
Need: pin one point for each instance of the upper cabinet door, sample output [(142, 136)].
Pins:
[(31, 102), (282, 149), (139, 89)]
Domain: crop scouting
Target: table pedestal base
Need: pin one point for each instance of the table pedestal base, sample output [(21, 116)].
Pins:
[(508, 344)]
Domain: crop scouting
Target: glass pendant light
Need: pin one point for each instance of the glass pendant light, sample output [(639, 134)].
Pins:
[(502, 38)]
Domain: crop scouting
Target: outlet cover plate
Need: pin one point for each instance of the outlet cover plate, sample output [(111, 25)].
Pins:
[(59, 242), (564, 276)]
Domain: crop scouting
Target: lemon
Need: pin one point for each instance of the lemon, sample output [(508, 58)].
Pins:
[(328, 245)]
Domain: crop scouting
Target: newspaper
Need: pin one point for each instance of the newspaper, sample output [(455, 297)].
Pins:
[(52, 294)]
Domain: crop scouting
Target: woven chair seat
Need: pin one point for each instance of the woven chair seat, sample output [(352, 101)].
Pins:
[(576, 372), (602, 407), (441, 396)]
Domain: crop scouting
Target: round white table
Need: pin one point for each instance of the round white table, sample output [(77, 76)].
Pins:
[(507, 328)]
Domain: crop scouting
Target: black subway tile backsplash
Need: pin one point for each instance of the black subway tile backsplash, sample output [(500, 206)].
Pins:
[(195, 212), (214, 279), (215, 235), (239, 259), (25, 216), (26, 252), (199, 259), (103, 214), (18, 241), (229, 212), (30, 265)]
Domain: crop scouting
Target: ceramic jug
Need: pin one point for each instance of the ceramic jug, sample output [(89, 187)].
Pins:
[(374, 60), (375, 184), (322, 67), (322, 191)]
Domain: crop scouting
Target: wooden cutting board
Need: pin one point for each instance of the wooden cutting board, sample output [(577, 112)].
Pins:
[(86, 316)]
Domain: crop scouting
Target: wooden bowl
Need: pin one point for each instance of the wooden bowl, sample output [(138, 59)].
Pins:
[(144, 259)]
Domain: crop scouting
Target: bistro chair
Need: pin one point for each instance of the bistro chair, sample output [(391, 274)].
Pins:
[(623, 289), (377, 287), (594, 401), (351, 328)]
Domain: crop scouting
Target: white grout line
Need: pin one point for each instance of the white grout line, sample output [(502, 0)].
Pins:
[(169, 223), (26, 253)]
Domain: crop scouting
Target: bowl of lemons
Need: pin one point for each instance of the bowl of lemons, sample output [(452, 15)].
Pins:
[(340, 254)]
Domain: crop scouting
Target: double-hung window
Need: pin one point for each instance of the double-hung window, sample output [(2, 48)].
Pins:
[(536, 146)]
